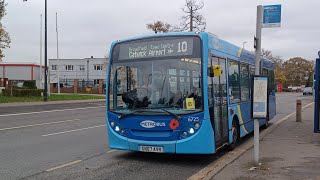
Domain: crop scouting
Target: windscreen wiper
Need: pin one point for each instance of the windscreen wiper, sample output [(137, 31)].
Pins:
[(144, 110), (172, 114), (129, 114)]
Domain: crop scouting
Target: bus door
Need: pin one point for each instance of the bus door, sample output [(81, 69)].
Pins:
[(218, 106)]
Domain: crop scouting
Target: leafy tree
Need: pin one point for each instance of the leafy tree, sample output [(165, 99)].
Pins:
[(309, 82), (279, 76), (192, 20), (159, 26), (279, 72), (297, 71), (4, 36)]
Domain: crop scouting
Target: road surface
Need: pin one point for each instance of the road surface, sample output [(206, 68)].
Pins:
[(69, 141)]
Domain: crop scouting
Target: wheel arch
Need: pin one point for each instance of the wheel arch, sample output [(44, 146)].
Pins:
[(235, 119)]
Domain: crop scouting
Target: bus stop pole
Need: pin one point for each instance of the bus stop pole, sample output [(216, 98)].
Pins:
[(257, 72)]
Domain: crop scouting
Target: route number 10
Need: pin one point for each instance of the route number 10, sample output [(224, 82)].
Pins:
[(182, 46)]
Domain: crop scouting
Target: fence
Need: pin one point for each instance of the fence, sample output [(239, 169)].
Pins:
[(79, 86)]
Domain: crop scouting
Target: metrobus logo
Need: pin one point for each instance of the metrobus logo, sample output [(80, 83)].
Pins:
[(152, 124)]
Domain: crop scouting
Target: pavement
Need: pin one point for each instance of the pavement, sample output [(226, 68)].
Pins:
[(69, 141), (291, 151)]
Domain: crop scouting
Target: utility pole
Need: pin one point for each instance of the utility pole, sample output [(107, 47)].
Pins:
[(45, 93), (88, 72), (45, 55), (257, 72), (40, 71), (58, 60), (243, 44)]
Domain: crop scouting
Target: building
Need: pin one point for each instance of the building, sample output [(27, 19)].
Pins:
[(18, 72), (76, 75), (87, 69)]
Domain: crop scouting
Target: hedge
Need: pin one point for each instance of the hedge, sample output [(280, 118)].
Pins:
[(30, 84), (22, 92)]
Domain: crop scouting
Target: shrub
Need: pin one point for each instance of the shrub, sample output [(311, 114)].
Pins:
[(22, 92), (30, 84)]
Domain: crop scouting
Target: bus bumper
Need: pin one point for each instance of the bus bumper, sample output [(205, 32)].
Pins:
[(200, 143)]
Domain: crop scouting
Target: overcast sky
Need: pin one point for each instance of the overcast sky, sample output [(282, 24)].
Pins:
[(87, 27)]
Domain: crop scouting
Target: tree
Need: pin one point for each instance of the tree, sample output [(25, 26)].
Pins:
[(277, 60), (4, 36), (298, 71), (279, 72), (105, 62), (159, 26), (193, 20), (279, 76)]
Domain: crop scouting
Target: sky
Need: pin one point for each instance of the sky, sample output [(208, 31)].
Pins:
[(88, 27)]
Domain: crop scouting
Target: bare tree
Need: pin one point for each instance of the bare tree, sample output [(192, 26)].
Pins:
[(159, 26), (4, 36), (105, 62), (193, 20), (277, 60)]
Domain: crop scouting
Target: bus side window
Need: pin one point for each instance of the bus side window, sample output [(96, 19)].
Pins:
[(234, 81), (210, 87), (252, 73), (244, 82)]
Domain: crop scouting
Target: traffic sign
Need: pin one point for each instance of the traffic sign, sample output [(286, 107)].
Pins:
[(271, 16)]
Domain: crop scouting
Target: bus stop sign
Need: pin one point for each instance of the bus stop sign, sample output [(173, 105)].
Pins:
[(271, 16)]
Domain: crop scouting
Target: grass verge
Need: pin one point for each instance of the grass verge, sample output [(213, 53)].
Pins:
[(53, 97)]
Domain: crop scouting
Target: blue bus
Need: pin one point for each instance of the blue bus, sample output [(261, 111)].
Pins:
[(164, 96)]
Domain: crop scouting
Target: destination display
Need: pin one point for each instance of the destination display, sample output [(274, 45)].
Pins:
[(156, 48)]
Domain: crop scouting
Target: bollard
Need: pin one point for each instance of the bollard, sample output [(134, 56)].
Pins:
[(298, 111)]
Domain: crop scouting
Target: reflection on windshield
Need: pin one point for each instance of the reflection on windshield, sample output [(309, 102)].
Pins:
[(156, 84)]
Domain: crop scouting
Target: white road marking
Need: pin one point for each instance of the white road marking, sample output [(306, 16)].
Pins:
[(111, 151), (64, 165), (42, 124), (70, 163), (58, 110), (63, 132)]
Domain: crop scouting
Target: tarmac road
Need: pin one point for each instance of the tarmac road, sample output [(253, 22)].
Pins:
[(69, 141)]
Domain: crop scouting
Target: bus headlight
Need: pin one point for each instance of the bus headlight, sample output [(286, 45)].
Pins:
[(196, 125), (112, 124), (185, 134), (117, 128)]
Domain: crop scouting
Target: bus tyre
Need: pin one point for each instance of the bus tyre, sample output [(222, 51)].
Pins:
[(265, 126), (235, 135)]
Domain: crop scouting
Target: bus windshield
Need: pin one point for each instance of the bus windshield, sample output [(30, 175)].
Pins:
[(142, 80)]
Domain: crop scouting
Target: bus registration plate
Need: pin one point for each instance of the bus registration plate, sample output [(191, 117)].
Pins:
[(151, 149)]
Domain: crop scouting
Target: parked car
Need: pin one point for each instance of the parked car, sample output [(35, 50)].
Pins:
[(307, 91), (19, 84)]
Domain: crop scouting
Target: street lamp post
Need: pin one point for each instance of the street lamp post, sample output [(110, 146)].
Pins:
[(243, 44), (45, 54), (45, 93)]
